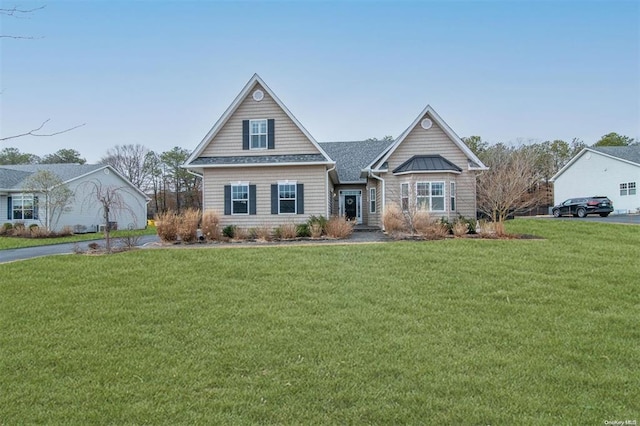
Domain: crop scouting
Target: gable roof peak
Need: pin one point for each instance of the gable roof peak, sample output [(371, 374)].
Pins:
[(236, 104), (474, 162)]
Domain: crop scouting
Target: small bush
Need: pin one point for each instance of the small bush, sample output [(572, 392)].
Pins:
[(460, 228), (38, 232), (316, 230), (241, 234), (422, 222), (211, 225), (187, 228), (303, 230), (393, 219), (33, 226), (318, 220), (229, 231), (288, 231), (6, 229), (167, 226), (339, 227), (65, 231), (262, 233)]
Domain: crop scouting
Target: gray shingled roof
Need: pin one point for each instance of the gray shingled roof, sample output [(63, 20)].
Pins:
[(427, 163), (352, 157), (629, 153), (260, 159), (13, 176)]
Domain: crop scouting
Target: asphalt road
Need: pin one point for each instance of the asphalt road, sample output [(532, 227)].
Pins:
[(12, 255)]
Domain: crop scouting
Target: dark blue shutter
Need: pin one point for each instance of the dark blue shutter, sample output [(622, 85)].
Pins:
[(35, 207), (227, 199), (245, 134), (274, 198), (300, 198), (271, 134), (252, 199), (9, 208)]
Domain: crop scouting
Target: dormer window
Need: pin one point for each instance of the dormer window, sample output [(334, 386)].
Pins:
[(258, 134)]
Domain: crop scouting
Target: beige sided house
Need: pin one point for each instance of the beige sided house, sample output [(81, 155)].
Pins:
[(260, 166)]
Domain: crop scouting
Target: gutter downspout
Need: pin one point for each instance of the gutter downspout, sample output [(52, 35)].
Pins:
[(383, 195), (327, 185)]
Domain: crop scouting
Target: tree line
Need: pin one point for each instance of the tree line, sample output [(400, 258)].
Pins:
[(158, 174)]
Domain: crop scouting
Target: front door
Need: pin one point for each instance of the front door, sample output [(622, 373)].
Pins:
[(351, 207)]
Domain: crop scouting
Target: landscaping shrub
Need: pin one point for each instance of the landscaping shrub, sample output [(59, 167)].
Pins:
[(303, 230), (460, 228), (211, 225), (229, 231), (287, 231), (316, 230), (20, 230), (65, 231), (167, 226), (393, 219), (262, 233), (339, 227), (6, 229), (422, 222), (38, 232), (188, 225), (317, 220), (240, 234)]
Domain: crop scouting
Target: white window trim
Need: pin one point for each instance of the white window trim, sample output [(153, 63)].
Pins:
[(295, 200), (624, 189), (373, 200), (266, 134), (22, 196), (245, 184), (431, 196), (631, 186)]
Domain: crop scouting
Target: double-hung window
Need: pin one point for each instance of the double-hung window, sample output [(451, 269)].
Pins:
[(258, 134), (240, 199), (404, 196), (430, 196), (372, 200), (24, 207), (632, 188), (452, 195), (287, 198)]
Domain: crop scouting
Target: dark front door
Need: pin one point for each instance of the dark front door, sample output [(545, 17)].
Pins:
[(350, 206)]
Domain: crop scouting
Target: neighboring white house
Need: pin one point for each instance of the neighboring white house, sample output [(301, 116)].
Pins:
[(84, 214), (609, 171)]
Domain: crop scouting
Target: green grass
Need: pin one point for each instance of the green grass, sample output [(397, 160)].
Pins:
[(15, 242), (438, 332)]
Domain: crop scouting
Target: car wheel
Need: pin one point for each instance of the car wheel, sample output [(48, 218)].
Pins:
[(556, 213), (581, 212), (604, 214)]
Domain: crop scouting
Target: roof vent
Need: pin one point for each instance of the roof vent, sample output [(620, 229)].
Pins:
[(258, 95), (426, 124)]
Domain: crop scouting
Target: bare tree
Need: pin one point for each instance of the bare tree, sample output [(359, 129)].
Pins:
[(131, 162), (112, 203), (509, 185), (19, 13), (57, 196)]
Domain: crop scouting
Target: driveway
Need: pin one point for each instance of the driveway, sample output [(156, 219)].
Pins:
[(12, 255), (631, 219)]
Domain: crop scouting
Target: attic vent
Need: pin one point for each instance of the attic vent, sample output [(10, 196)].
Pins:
[(258, 95), (106, 171), (426, 124)]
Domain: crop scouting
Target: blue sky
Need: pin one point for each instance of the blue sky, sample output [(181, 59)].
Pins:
[(161, 73)]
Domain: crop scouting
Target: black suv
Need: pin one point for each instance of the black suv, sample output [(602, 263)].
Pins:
[(581, 207)]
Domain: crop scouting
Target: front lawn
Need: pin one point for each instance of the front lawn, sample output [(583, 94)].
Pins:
[(16, 242), (437, 332)]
